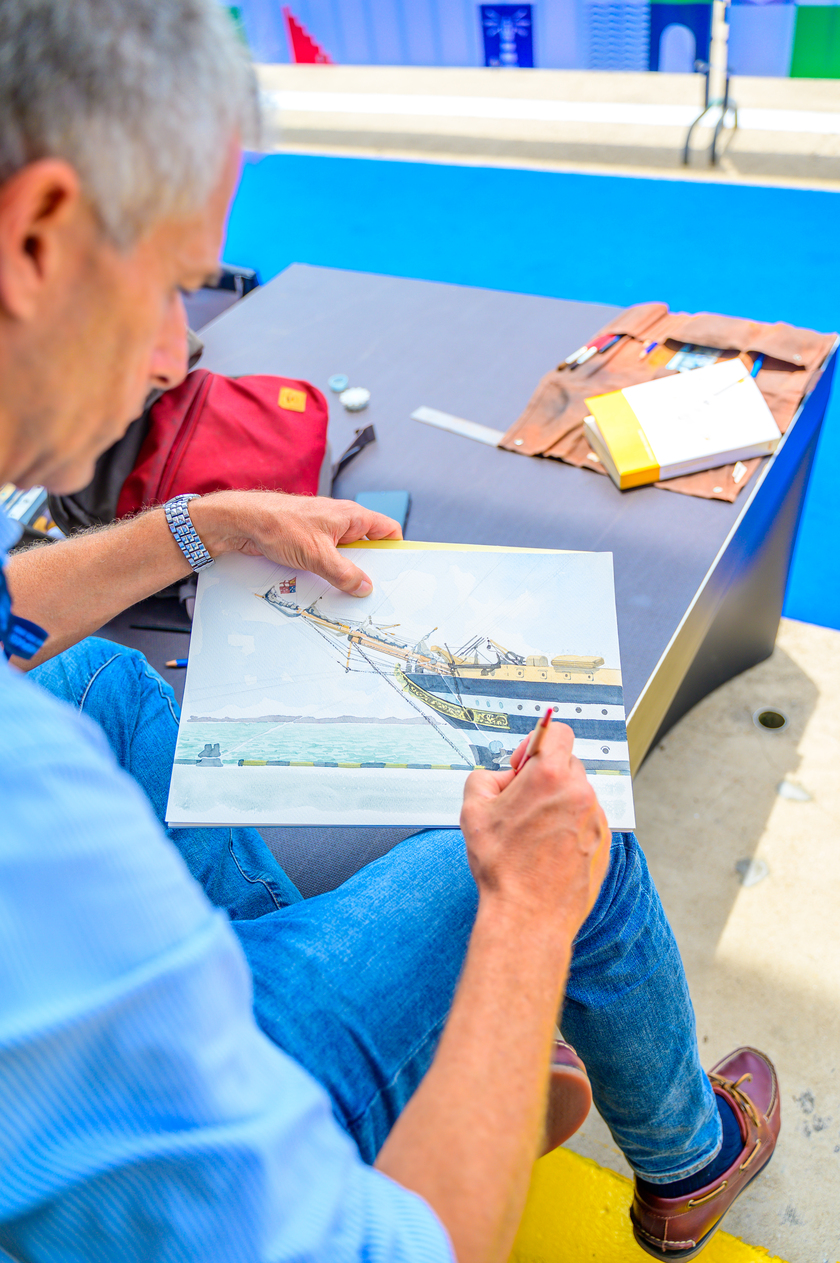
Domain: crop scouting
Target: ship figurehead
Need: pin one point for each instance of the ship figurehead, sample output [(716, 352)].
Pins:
[(278, 594)]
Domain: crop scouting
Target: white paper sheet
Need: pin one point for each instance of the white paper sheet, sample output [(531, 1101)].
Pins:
[(303, 706)]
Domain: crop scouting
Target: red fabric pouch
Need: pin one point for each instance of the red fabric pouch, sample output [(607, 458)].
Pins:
[(215, 433)]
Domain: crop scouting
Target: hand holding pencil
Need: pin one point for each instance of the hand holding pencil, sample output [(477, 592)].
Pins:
[(535, 740), (538, 841)]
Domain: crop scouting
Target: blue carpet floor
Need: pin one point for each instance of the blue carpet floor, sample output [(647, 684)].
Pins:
[(766, 253)]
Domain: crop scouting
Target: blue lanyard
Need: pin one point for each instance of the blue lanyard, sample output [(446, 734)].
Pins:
[(19, 636)]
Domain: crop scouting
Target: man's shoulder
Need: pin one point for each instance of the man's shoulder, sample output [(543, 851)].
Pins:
[(33, 722), (79, 834), (54, 761)]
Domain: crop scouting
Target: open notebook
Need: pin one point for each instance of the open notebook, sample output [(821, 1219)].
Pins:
[(303, 706)]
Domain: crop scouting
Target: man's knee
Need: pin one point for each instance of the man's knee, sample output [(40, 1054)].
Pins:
[(625, 882), (432, 871), (70, 675)]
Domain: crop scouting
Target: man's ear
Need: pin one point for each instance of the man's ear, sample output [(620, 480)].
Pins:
[(170, 358), (38, 206)]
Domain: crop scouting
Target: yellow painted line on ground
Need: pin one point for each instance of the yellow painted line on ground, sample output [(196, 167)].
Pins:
[(577, 1212)]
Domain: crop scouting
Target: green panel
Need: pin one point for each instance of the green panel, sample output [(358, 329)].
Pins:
[(816, 42), (235, 12)]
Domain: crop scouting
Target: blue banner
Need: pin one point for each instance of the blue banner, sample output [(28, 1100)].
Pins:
[(508, 31)]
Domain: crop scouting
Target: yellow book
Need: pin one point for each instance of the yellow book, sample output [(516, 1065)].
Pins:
[(680, 425)]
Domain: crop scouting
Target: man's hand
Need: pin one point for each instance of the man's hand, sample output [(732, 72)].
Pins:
[(538, 841), (299, 531)]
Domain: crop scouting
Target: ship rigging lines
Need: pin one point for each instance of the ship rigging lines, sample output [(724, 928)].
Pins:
[(398, 690), (427, 718)]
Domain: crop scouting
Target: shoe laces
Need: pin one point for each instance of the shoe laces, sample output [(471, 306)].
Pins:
[(733, 1087)]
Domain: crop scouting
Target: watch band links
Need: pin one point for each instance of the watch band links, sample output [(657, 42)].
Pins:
[(184, 533)]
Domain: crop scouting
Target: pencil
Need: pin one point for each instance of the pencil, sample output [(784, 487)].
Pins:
[(177, 662), (536, 738)]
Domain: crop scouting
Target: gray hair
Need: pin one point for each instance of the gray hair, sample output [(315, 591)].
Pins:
[(141, 97)]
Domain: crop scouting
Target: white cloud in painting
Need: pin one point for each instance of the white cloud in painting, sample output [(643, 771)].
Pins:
[(245, 643)]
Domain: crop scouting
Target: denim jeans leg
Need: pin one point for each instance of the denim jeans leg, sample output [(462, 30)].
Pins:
[(629, 1015), (357, 984), (138, 713)]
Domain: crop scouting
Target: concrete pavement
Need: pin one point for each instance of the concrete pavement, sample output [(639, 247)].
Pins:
[(763, 961), (788, 130)]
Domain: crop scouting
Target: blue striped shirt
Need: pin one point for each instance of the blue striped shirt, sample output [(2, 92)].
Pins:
[(143, 1115)]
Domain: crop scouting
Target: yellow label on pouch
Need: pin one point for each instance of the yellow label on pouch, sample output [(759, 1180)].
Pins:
[(633, 455), (294, 400)]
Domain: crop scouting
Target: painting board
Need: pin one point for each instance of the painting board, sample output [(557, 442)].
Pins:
[(304, 706)]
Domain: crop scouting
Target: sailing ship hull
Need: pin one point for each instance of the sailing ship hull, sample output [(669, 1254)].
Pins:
[(503, 711)]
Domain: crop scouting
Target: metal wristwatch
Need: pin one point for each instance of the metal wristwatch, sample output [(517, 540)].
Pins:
[(184, 533)]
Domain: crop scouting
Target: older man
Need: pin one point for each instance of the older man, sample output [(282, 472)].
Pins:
[(405, 1019)]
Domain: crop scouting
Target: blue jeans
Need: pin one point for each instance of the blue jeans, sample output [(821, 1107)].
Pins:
[(356, 984)]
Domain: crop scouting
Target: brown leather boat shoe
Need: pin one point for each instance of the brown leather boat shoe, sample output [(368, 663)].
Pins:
[(679, 1227), (569, 1096)]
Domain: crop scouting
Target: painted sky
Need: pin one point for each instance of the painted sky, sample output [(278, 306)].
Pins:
[(248, 660)]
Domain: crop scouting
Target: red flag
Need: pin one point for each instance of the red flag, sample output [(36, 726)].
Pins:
[(305, 50)]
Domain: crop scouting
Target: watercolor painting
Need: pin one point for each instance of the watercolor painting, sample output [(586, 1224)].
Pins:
[(306, 706)]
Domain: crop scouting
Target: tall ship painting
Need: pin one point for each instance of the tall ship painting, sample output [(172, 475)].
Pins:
[(493, 695)]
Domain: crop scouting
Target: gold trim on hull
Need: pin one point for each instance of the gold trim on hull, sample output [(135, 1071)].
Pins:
[(451, 710)]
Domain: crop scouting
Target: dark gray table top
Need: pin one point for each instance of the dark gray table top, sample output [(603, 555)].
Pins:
[(478, 354)]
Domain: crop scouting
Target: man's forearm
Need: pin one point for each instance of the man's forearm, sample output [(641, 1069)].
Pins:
[(74, 586), (468, 1138)]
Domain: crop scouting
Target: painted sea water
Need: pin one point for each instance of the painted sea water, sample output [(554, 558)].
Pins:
[(320, 742)]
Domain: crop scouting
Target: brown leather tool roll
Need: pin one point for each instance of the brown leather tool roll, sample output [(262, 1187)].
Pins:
[(552, 423)]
